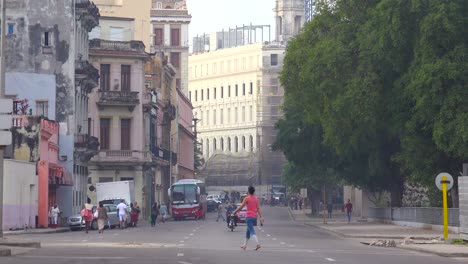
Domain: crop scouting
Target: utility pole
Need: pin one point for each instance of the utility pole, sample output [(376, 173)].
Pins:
[(2, 95)]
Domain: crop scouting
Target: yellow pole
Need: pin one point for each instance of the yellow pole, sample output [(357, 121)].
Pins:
[(445, 209)]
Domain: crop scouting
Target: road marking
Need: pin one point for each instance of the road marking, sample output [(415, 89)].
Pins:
[(274, 239), (181, 241), (310, 251), (180, 254), (184, 262), (268, 235), (191, 234), (330, 259), (186, 237), (73, 257), (282, 243)]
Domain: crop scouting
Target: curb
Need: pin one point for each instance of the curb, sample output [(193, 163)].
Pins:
[(447, 255), (5, 252), (354, 236), (21, 244), (52, 231)]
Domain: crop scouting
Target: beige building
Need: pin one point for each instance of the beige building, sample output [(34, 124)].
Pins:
[(139, 10)]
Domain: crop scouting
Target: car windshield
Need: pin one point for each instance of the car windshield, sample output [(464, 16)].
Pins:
[(184, 194)]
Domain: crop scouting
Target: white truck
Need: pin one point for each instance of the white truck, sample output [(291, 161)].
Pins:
[(114, 192)]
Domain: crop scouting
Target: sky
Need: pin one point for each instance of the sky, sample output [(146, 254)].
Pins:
[(213, 15)]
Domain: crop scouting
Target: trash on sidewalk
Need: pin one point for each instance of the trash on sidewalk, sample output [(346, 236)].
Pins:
[(414, 240), (381, 243)]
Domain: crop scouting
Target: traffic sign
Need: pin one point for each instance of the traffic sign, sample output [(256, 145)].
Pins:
[(449, 181), (6, 106), (5, 121), (5, 138)]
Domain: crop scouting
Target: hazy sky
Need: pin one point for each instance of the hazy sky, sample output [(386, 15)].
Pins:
[(214, 15)]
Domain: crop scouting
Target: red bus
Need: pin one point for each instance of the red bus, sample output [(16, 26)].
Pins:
[(188, 199)]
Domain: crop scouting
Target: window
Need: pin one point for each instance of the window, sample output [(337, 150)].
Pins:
[(236, 144), (222, 92), (251, 87), (251, 114), (222, 144), (243, 113), (207, 147), (274, 59), (175, 59), (159, 6), (196, 95), (11, 28), (251, 144), (229, 90), (201, 118), (214, 117), (214, 144), (125, 77), (190, 95), (243, 89), (202, 94), (229, 144), (126, 178), (229, 115), (42, 108), (243, 143), (214, 93), (158, 36), (47, 39), (104, 133), (116, 34), (207, 117), (178, 83), (221, 116), (104, 77), (207, 93), (175, 37), (237, 89), (235, 114), (125, 134)]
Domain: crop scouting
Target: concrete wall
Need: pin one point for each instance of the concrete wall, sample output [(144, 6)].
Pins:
[(19, 194), (463, 196), (104, 31)]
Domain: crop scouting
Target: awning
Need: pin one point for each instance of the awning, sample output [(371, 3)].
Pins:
[(59, 175)]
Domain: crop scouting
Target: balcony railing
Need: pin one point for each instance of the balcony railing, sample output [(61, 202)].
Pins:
[(123, 156), (118, 98), (134, 46), (86, 141)]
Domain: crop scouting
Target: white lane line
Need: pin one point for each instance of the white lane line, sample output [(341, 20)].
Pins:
[(184, 262), (180, 254), (181, 241), (282, 243), (191, 234), (186, 237), (310, 251), (330, 259), (274, 239), (74, 257), (268, 235)]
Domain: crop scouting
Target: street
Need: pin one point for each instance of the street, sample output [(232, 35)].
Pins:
[(210, 242)]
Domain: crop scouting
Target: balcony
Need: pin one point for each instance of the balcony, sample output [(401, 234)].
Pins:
[(118, 98), (86, 147), (149, 101), (125, 48), (114, 158), (86, 74)]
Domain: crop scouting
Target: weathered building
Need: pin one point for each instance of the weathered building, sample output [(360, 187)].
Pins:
[(46, 56)]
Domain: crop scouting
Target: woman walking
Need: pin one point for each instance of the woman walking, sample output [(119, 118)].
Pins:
[(154, 213), (253, 209), (55, 214), (102, 218), (87, 215)]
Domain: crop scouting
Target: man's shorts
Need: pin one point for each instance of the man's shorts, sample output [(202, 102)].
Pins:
[(122, 217)]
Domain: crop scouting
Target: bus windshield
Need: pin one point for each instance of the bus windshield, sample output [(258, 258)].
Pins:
[(184, 194)]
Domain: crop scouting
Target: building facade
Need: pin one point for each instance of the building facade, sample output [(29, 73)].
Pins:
[(170, 36), (235, 91), (45, 64)]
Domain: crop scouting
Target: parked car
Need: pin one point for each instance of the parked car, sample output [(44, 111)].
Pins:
[(242, 214), (211, 205), (76, 222)]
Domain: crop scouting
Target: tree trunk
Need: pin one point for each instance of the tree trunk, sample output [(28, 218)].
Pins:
[(396, 196)]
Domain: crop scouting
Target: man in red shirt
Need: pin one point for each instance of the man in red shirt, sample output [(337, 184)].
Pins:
[(349, 209)]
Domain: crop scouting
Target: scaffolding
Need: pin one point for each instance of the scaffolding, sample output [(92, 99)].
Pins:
[(309, 9)]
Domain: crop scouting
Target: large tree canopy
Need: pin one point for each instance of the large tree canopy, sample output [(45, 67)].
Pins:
[(375, 92)]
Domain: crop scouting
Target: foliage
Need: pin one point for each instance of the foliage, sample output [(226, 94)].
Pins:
[(374, 94)]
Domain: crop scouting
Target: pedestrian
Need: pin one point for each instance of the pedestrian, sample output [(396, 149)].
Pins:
[(154, 214), (122, 208), (349, 209), (300, 203), (87, 215), (162, 212), (330, 210), (220, 212), (137, 211), (253, 209), (102, 218), (54, 212)]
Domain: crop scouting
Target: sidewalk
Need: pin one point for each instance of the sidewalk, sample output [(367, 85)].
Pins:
[(370, 231), (37, 231)]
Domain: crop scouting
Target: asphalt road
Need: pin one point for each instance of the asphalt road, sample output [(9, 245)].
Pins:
[(196, 242)]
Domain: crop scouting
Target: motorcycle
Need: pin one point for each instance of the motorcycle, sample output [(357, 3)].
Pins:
[(232, 222)]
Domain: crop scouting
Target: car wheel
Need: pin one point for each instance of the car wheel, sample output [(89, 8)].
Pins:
[(94, 225)]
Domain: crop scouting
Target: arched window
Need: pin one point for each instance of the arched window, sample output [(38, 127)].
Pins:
[(251, 144), (236, 144), (243, 143), (214, 144), (222, 144), (207, 147), (229, 144)]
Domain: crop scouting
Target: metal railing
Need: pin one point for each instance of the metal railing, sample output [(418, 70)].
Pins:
[(425, 215), (118, 97)]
